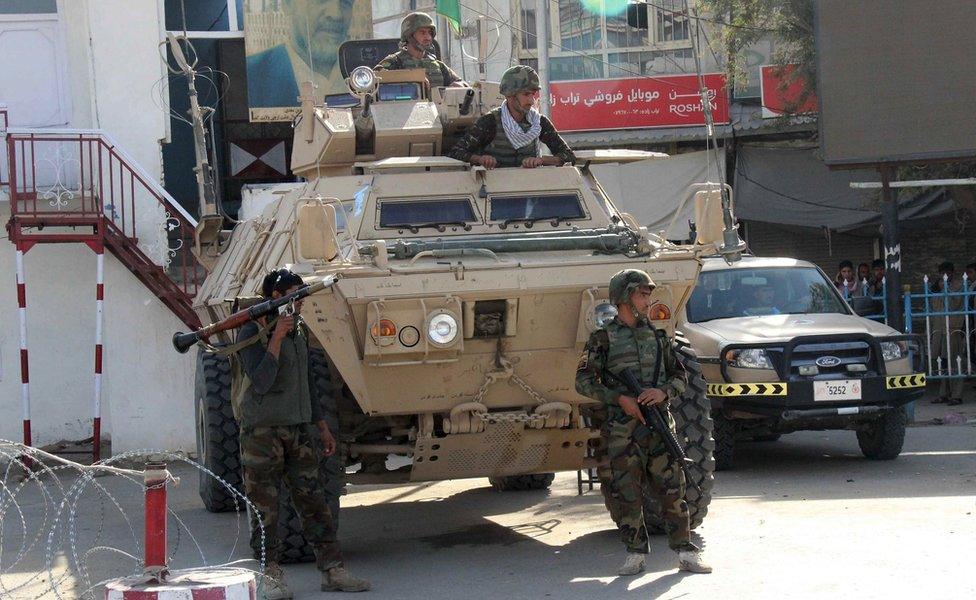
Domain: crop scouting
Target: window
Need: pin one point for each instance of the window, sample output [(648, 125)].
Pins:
[(398, 91), (413, 213), (588, 34), (734, 293), (536, 207)]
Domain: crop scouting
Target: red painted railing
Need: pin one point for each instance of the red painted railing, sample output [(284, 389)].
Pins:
[(66, 179)]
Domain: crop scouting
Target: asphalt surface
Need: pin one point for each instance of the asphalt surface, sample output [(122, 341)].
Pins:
[(804, 517)]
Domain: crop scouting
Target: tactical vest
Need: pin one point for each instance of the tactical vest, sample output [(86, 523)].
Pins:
[(436, 74), (502, 149), (288, 401), (638, 349)]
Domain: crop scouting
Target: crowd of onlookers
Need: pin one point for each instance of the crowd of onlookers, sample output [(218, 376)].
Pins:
[(947, 332)]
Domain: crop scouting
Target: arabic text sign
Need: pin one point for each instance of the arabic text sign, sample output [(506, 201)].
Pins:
[(671, 101), (776, 100)]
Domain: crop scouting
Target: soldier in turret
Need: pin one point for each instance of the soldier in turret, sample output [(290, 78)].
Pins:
[(509, 135), (639, 466), (417, 32)]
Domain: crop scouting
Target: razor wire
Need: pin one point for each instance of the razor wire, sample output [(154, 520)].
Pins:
[(55, 516)]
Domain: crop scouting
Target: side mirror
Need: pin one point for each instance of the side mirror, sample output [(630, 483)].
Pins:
[(862, 306), (316, 229), (708, 217)]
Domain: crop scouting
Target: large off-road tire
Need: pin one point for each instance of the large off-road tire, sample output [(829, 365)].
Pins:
[(331, 469), (218, 448), (518, 483), (883, 438), (693, 424), (724, 433)]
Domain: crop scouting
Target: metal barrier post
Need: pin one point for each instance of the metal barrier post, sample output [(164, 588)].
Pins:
[(155, 477)]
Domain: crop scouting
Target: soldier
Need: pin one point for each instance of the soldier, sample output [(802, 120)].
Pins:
[(509, 135), (276, 415), (638, 468), (417, 32)]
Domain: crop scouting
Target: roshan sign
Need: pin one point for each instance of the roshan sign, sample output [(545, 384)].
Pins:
[(633, 103)]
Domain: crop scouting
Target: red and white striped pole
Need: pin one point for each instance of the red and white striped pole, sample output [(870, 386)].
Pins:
[(155, 477), (24, 372), (97, 400)]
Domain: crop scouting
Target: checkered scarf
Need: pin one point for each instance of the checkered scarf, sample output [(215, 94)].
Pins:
[(514, 132)]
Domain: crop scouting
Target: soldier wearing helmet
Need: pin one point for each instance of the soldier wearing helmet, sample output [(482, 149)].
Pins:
[(637, 467), (417, 32), (509, 135)]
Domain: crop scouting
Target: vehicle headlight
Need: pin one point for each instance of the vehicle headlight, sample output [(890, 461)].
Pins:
[(442, 328), (362, 79), (893, 350), (601, 314), (749, 358)]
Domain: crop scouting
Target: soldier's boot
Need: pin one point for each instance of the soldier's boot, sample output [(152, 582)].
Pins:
[(273, 583), (691, 561), (633, 565), (337, 579)]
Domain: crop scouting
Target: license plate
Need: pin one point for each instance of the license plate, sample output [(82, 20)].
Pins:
[(840, 389)]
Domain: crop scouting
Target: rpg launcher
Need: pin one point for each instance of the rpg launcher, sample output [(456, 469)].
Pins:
[(656, 421), (184, 341)]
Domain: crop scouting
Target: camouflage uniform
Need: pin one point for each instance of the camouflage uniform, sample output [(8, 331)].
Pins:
[(438, 74), (636, 469), (278, 444)]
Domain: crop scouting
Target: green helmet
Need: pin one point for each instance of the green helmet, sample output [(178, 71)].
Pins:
[(517, 79), (414, 21), (623, 284)]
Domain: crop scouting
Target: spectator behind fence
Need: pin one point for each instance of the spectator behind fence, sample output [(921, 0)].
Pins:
[(876, 287), (946, 330), (863, 273), (845, 281)]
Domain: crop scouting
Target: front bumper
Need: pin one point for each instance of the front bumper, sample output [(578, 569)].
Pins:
[(795, 399)]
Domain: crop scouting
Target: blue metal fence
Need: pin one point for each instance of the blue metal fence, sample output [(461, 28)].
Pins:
[(864, 289), (945, 319)]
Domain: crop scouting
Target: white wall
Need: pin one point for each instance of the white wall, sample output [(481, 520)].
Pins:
[(113, 72)]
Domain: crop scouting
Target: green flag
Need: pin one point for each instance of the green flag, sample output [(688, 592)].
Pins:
[(452, 11)]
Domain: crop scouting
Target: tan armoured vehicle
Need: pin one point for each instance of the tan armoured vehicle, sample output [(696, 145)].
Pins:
[(456, 301), (782, 351)]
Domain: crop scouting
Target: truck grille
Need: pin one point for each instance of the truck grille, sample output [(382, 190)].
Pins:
[(833, 360)]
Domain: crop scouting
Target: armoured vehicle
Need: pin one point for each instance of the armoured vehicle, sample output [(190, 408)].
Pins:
[(457, 300), (782, 351)]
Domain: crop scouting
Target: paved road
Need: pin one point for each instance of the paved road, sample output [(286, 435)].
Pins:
[(805, 517)]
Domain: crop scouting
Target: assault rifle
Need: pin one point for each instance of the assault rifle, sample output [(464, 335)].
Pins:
[(656, 421), (183, 341)]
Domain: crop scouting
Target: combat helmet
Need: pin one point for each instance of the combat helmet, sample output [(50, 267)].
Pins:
[(623, 284), (414, 21), (519, 79)]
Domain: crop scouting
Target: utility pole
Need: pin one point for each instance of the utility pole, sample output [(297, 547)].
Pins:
[(205, 188), (542, 51), (892, 251)]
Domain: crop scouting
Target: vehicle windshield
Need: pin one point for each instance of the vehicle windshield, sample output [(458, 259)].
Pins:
[(536, 207), (756, 292), (406, 213)]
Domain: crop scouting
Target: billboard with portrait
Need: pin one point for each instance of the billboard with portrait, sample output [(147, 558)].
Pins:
[(291, 41)]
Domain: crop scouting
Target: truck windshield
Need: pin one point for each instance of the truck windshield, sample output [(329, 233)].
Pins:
[(536, 207), (730, 293), (406, 213)]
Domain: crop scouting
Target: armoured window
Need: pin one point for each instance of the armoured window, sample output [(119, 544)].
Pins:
[(399, 91), (537, 207), (412, 213)]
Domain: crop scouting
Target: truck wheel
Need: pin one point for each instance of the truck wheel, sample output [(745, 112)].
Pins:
[(217, 444), (724, 442), (518, 483), (883, 438), (693, 424), (331, 470)]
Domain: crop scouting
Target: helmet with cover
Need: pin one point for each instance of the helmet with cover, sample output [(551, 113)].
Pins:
[(520, 78), (623, 284), (414, 21)]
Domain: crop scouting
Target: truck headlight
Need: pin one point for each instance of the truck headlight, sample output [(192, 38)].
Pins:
[(601, 314), (749, 358), (442, 328), (893, 350), (362, 80)]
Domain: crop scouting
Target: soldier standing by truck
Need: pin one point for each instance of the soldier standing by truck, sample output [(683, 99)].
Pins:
[(276, 415), (417, 32), (509, 135), (638, 467)]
